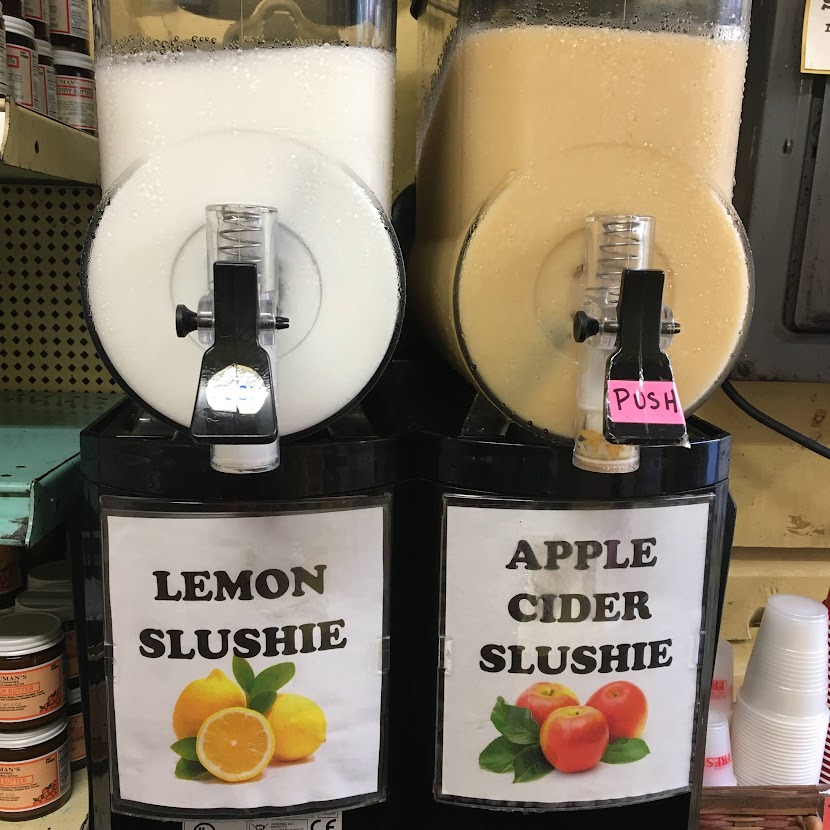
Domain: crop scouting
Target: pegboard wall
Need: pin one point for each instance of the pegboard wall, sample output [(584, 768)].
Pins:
[(44, 343)]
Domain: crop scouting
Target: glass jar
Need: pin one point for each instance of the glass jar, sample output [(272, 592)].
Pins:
[(31, 671), (59, 604), (36, 12), (35, 777), (70, 25), (46, 73), (50, 575), (539, 114), (21, 60)]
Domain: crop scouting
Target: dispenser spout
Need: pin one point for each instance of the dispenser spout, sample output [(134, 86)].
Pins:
[(236, 401), (625, 391)]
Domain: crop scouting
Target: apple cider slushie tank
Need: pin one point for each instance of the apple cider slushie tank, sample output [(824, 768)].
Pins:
[(578, 261), (243, 284)]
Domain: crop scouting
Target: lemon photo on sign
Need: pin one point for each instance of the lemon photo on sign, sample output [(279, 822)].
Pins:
[(232, 730)]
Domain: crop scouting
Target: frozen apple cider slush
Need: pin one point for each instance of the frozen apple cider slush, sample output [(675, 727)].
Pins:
[(529, 128)]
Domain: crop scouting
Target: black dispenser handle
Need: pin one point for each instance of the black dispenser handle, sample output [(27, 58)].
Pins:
[(641, 401), (245, 412)]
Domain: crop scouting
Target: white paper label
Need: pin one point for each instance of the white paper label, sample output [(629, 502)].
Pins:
[(47, 89), (20, 63), (76, 101), (319, 821), (35, 10), (602, 607), (4, 87), (69, 17), (815, 43), (199, 604)]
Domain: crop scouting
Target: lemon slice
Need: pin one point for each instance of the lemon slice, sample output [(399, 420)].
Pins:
[(235, 744)]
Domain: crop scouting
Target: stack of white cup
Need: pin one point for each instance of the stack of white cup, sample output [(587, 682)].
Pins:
[(780, 718), (722, 679), (718, 770)]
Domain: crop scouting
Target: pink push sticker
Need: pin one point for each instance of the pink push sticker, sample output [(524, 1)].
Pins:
[(644, 402)]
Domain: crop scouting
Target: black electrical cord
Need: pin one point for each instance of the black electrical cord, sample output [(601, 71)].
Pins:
[(776, 426)]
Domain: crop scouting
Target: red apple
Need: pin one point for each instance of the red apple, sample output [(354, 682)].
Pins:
[(574, 738), (544, 698), (624, 706)]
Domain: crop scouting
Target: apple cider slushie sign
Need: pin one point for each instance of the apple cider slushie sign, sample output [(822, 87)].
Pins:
[(248, 652), (571, 651)]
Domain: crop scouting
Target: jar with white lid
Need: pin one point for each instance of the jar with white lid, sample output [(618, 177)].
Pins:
[(77, 736), (46, 74), (35, 775), (75, 86), (32, 679), (50, 576), (59, 604), (21, 59)]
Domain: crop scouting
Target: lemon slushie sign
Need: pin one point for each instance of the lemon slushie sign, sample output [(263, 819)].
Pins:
[(571, 651), (247, 674)]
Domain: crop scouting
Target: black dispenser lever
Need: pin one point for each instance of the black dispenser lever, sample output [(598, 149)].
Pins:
[(235, 400), (641, 401)]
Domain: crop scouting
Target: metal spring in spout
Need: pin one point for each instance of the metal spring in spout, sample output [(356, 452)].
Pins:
[(620, 247), (240, 236)]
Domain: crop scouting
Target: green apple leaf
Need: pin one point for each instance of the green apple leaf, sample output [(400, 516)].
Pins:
[(186, 748), (498, 756), (243, 673), (530, 764), (189, 770), (515, 723), (272, 679), (263, 702), (626, 751)]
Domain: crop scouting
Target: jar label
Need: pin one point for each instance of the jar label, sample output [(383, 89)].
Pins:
[(48, 91), (29, 785), (40, 101), (76, 101), (262, 631), (10, 578), (4, 87), (77, 744), (70, 17), (31, 693), (36, 10), (571, 649), (20, 66)]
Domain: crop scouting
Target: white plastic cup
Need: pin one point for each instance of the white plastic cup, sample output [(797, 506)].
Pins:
[(723, 679), (717, 768), (787, 670), (773, 750)]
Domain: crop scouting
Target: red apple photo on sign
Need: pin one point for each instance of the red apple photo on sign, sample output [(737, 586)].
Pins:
[(548, 730)]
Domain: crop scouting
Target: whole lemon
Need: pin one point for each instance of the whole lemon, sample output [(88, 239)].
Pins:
[(203, 698), (299, 727)]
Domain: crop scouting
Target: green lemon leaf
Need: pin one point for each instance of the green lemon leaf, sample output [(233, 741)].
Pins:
[(530, 764), (498, 756), (625, 751), (272, 679), (515, 723), (243, 673), (262, 702), (186, 747), (189, 770)]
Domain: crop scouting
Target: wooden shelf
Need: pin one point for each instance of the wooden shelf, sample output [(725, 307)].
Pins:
[(36, 148), (39, 462)]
